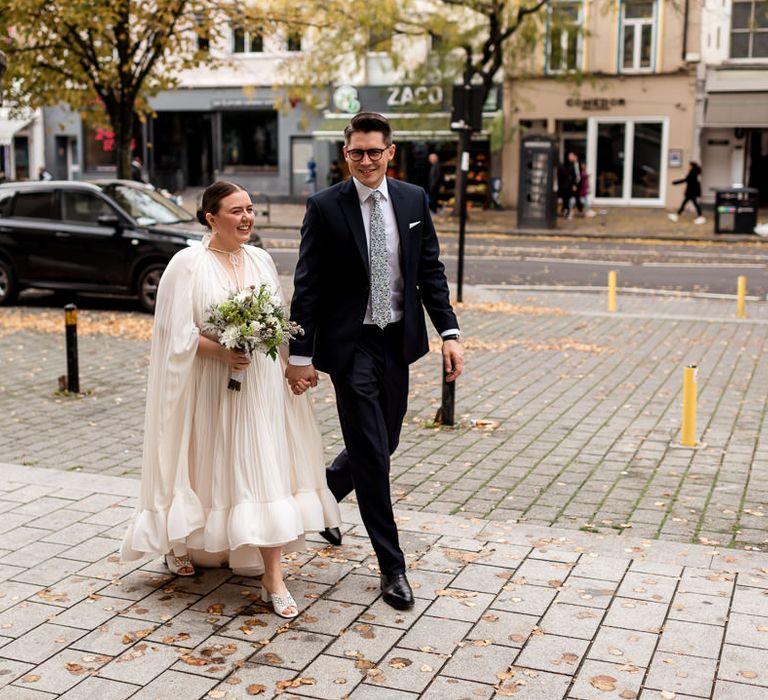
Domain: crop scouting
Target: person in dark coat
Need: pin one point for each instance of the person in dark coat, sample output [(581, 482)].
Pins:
[(435, 182), (692, 192), (565, 187)]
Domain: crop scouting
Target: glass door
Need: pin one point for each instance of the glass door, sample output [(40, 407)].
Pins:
[(625, 160)]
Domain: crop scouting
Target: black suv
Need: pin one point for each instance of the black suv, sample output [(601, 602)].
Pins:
[(111, 236)]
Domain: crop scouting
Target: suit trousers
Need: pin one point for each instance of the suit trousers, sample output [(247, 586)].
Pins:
[(371, 398)]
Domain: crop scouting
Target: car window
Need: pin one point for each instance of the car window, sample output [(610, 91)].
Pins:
[(146, 206), (84, 207), (34, 205), (6, 198)]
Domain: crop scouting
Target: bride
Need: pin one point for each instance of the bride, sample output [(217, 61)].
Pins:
[(228, 477)]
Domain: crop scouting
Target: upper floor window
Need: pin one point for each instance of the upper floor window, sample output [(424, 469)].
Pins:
[(294, 41), (246, 41), (564, 37), (638, 22), (749, 29)]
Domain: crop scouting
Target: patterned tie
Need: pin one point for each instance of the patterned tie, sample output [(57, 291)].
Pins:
[(379, 256)]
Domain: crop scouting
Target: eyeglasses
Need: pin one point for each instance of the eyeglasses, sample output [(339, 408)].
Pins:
[(374, 154)]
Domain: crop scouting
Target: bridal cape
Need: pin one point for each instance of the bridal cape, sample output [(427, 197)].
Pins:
[(224, 472)]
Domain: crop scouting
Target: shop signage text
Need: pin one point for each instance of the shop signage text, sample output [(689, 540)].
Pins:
[(421, 95), (596, 103)]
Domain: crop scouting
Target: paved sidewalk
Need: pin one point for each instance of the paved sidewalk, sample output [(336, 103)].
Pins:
[(569, 416), (503, 610)]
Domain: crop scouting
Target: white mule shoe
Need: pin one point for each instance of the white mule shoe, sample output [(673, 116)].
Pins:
[(179, 565), (280, 603)]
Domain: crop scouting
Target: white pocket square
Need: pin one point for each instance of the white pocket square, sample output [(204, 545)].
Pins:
[(413, 224)]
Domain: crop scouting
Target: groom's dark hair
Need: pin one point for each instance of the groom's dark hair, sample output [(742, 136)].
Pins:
[(368, 122)]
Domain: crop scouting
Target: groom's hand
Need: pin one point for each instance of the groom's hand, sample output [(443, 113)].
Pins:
[(453, 359), (298, 375)]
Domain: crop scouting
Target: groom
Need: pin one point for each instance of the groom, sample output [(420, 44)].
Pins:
[(368, 267)]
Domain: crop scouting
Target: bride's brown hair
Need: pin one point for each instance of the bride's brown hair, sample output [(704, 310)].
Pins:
[(212, 197)]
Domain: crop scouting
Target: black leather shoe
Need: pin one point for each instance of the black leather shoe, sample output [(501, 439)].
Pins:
[(332, 534), (396, 591)]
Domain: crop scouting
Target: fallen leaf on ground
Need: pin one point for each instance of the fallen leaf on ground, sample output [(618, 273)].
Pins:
[(603, 682)]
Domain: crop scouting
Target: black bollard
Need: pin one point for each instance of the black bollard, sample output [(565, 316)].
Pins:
[(445, 414), (73, 371)]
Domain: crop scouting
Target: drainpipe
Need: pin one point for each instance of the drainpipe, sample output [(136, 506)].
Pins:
[(685, 30)]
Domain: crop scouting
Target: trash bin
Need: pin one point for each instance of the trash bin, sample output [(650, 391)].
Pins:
[(736, 210)]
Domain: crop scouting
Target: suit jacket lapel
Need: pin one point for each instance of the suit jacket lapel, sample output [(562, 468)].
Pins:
[(350, 207), (398, 205)]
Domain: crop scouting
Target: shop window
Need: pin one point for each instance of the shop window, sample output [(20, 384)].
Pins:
[(637, 40), (99, 152), (564, 37), (246, 41), (249, 140), (749, 29), (294, 41), (628, 160)]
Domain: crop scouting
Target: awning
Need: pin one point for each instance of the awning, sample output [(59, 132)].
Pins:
[(9, 127), (406, 128), (747, 109)]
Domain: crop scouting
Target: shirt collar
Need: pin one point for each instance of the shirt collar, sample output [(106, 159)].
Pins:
[(363, 191)]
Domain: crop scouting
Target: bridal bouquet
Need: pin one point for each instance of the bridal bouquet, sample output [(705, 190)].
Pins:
[(249, 321)]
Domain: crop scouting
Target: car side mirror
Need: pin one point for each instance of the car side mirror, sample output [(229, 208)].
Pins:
[(107, 220)]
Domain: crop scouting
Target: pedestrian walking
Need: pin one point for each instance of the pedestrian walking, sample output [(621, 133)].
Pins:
[(335, 174), (368, 267), (228, 477), (692, 193), (584, 192), (434, 182)]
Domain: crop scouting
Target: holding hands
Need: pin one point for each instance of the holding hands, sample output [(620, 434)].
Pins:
[(301, 377)]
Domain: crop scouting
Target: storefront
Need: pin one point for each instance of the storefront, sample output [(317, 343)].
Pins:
[(21, 147), (633, 132), (734, 133), (420, 117)]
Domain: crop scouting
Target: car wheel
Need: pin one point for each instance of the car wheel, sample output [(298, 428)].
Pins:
[(147, 286), (8, 287)]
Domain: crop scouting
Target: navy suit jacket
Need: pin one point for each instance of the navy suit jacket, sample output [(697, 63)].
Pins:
[(332, 279)]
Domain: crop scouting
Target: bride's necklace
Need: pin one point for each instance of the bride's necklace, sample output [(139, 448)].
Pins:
[(235, 260)]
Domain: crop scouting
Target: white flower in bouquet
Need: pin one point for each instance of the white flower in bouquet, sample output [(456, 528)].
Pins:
[(250, 320)]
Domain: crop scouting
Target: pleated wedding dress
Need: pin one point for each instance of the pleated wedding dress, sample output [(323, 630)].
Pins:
[(224, 472)]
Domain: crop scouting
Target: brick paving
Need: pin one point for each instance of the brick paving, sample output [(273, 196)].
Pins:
[(568, 415), (561, 543), (503, 609)]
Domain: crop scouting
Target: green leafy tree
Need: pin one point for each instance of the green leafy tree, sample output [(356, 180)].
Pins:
[(472, 41), (105, 58)]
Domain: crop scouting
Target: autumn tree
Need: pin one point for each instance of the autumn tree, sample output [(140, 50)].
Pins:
[(472, 41), (105, 57)]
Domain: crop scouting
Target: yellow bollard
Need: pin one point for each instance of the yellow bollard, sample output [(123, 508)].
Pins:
[(741, 294), (688, 431), (612, 290)]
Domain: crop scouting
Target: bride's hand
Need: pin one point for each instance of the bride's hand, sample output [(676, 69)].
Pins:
[(300, 386), (237, 361)]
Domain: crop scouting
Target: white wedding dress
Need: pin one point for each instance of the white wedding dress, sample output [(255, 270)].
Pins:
[(224, 472)]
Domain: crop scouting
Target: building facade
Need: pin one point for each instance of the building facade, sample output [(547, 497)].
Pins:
[(732, 114), (616, 85), (237, 121)]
